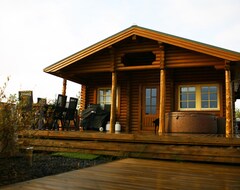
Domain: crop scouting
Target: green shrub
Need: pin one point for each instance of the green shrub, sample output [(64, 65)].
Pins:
[(12, 120)]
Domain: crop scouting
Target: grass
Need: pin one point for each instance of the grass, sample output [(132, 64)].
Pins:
[(76, 155)]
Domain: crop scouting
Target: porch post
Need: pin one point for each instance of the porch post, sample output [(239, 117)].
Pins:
[(113, 103), (229, 127), (64, 87), (162, 101), (83, 98), (114, 89), (162, 91)]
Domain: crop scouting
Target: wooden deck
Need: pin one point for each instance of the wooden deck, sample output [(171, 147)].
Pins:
[(141, 174), (181, 147)]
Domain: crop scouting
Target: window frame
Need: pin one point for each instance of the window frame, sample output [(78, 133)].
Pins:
[(107, 88), (198, 97)]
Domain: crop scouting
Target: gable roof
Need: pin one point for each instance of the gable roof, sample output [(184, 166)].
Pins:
[(150, 34)]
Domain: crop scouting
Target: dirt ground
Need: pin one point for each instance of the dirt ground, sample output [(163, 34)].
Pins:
[(18, 169)]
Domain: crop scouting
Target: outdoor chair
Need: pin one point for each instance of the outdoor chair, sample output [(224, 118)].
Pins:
[(58, 114), (71, 114)]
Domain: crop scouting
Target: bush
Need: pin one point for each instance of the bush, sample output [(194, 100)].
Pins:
[(12, 119)]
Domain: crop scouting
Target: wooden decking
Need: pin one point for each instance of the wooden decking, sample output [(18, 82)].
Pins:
[(141, 174), (181, 147)]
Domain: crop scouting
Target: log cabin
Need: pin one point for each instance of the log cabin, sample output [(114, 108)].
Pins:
[(191, 87)]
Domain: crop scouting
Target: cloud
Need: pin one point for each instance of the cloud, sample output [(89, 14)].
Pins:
[(36, 34)]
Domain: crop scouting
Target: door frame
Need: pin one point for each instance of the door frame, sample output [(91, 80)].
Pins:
[(142, 95)]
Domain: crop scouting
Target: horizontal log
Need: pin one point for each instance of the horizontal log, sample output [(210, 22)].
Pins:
[(179, 139), (145, 67), (175, 152), (137, 147)]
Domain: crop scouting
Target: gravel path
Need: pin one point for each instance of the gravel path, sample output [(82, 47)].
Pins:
[(18, 169)]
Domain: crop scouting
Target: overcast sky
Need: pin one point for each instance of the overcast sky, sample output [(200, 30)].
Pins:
[(37, 33)]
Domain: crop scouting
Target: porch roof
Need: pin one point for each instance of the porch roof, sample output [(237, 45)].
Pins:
[(150, 34)]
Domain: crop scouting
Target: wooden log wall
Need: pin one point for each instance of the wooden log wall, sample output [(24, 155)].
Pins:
[(182, 66), (176, 57), (198, 76), (139, 79), (98, 62)]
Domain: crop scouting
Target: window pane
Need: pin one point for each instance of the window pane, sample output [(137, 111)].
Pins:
[(151, 100), (147, 110), (154, 101), (204, 96), (183, 104), (191, 89), (213, 104), (104, 96), (148, 93), (209, 97), (108, 92), (183, 96), (191, 105), (183, 89), (213, 89), (204, 89), (204, 104), (191, 97), (154, 92), (108, 99), (148, 102), (213, 96), (154, 110)]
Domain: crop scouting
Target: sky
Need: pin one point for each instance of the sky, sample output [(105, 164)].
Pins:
[(37, 33)]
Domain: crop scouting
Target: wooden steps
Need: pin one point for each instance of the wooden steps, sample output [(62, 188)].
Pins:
[(206, 148)]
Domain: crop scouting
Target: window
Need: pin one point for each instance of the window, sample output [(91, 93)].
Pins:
[(151, 101), (199, 97), (188, 97), (105, 97)]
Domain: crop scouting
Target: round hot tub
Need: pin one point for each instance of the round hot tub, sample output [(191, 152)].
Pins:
[(190, 122)]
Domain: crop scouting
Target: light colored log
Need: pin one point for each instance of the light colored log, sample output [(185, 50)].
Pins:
[(64, 88), (229, 127), (162, 101), (83, 98), (162, 91), (113, 103)]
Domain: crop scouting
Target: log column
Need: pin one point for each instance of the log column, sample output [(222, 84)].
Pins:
[(229, 126), (113, 103), (114, 91), (64, 87), (162, 91), (83, 98)]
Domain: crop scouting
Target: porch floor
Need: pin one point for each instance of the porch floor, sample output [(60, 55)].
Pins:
[(141, 174)]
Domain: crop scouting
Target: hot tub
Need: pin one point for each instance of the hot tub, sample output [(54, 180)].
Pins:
[(190, 122)]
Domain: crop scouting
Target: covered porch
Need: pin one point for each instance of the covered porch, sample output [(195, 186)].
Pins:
[(145, 75)]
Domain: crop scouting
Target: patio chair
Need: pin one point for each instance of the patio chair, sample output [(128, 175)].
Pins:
[(58, 114), (71, 114)]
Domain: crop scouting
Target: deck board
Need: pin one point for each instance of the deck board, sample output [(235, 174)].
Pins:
[(135, 174)]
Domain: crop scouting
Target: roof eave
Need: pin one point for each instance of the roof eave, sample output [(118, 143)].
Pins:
[(147, 33)]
